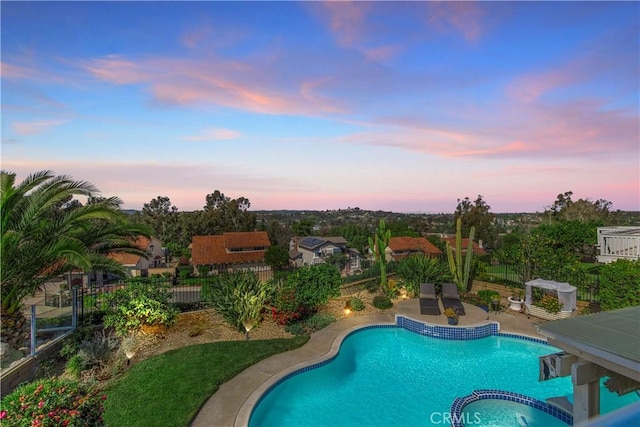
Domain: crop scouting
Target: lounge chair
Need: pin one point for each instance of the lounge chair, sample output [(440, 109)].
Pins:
[(451, 298), (428, 299)]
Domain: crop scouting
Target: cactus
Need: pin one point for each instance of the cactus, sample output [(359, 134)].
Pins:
[(461, 274), (378, 244)]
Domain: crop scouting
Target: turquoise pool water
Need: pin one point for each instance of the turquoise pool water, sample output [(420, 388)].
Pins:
[(393, 377), (502, 413)]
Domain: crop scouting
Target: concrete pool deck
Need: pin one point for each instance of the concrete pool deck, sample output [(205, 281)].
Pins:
[(232, 403)]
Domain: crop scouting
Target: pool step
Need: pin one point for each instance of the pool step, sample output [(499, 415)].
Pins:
[(561, 403)]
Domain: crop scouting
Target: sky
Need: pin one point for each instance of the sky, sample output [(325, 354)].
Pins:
[(399, 106)]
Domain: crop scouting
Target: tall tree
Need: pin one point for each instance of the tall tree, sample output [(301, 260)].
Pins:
[(279, 234), (222, 213), (584, 210), (476, 214), (161, 215), (41, 241), (304, 227)]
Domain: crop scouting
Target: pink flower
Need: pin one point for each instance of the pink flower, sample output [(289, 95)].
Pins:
[(104, 397), (41, 404), (3, 415)]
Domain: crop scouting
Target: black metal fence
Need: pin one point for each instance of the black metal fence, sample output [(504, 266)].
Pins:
[(587, 283), (186, 294)]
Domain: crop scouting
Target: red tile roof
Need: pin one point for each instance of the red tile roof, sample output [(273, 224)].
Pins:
[(465, 242), (206, 250), (131, 259), (413, 244)]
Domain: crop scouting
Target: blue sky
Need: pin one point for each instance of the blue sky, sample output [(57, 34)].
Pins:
[(324, 105)]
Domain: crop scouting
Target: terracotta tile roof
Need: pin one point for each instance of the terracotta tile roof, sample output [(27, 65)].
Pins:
[(206, 250), (413, 244), (131, 259), (465, 242), (244, 240)]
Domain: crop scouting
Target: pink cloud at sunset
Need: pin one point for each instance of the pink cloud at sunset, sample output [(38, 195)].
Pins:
[(213, 134), (465, 17), (227, 83), (33, 128), (402, 106)]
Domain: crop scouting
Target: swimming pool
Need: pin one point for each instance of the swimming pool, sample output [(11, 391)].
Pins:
[(390, 376)]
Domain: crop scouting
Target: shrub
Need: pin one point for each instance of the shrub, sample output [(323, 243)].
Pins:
[(549, 303), (93, 352), (472, 298), (619, 284), (139, 303), (319, 321), (75, 366), (286, 308), (372, 286), (71, 344), (312, 324), (487, 294), (296, 328), (300, 294), (239, 298), (52, 402), (418, 269), (355, 304), (382, 302)]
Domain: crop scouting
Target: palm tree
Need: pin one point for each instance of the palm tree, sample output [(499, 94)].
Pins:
[(41, 239)]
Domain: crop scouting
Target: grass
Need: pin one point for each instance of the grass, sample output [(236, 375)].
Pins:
[(169, 389)]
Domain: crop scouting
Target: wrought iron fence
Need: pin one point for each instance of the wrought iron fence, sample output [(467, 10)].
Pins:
[(515, 276)]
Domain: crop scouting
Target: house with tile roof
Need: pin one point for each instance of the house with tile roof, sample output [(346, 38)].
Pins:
[(137, 265), (233, 251), (402, 247), (477, 247), (310, 250)]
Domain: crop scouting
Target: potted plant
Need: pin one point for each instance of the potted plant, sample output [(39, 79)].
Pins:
[(452, 315), (495, 303), (516, 301)]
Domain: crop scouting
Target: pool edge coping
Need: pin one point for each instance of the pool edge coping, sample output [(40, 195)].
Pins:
[(458, 405)]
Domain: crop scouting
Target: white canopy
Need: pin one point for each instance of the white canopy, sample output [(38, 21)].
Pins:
[(566, 293)]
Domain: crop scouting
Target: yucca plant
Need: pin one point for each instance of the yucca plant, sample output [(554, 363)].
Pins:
[(239, 298)]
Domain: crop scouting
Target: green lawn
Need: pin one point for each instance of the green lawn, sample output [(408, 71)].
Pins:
[(167, 390)]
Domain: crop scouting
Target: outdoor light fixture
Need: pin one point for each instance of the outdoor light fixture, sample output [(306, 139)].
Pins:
[(347, 311), (247, 327), (129, 354)]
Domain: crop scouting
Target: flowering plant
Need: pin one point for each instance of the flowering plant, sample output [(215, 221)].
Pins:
[(451, 312), (52, 402)]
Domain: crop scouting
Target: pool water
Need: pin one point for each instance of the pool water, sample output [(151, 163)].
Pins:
[(502, 413), (391, 377)]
